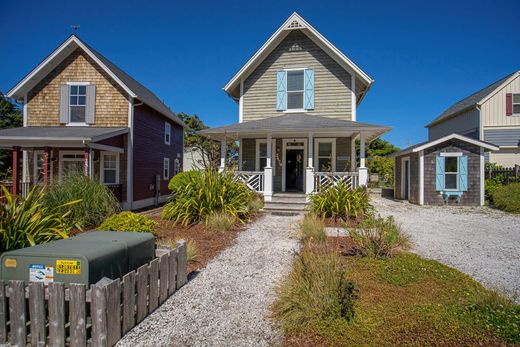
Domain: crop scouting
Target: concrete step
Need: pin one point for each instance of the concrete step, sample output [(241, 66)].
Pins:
[(289, 198), (285, 206)]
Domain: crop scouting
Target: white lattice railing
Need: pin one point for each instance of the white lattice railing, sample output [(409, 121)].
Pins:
[(253, 179), (323, 180)]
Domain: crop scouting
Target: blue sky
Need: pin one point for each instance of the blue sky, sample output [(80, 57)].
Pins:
[(423, 56)]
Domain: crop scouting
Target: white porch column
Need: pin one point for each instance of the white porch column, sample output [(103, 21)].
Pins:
[(223, 150), (309, 171), (363, 171), (268, 171)]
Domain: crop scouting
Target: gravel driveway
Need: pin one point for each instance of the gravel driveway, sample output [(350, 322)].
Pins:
[(227, 303), (482, 242)]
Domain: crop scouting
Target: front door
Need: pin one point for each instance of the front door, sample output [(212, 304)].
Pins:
[(294, 160)]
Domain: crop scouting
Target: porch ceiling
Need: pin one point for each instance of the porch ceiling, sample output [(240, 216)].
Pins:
[(292, 125), (67, 136)]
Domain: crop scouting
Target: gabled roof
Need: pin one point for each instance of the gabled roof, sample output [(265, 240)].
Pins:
[(130, 85), (423, 145), (473, 100), (297, 123), (296, 22)]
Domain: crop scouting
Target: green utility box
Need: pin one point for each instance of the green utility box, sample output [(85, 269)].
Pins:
[(85, 258)]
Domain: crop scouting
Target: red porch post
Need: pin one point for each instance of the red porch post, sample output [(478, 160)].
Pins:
[(46, 162), (15, 190), (86, 161)]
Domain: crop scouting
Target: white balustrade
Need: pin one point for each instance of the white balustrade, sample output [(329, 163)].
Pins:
[(323, 180), (253, 179)]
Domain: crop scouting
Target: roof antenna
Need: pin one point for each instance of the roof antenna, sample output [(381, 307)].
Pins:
[(75, 28)]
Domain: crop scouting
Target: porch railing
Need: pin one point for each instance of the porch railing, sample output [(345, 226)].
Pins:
[(255, 180), (323, 180)]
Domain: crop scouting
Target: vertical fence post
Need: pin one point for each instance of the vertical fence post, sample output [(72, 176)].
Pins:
[(77, 315), (163, 277), (98, 313), (154, 286), (182, 264), (128, 301), (113, 295), (37, 313), (172, 278), (56, 314), (142, 292), (17, 317), (3, 314)]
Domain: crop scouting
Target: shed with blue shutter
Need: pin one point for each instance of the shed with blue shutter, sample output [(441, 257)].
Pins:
[(446, 171)]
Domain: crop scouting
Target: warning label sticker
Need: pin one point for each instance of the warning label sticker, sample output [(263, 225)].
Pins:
[(41, 273), (68, 267)]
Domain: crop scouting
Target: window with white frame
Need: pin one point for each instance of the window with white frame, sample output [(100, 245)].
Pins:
[(109, 168), (167, 133), (38, 167), (324, 153), (261, 155), (516, 104), (166, 168), (78, 103), (295, 89), (451, 173)]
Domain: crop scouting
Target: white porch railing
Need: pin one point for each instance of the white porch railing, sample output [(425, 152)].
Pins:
[(255, 180), (323, 180)]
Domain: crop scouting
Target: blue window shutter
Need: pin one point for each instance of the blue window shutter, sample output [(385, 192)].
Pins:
[(308, 93), (439, 173), (463, 173), (281, 90)]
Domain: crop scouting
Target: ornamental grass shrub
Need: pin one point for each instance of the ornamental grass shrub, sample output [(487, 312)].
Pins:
[(507, 197), (376, 236), (219, 221), (97, 201), (27, 222), (341, 202), (197, 195), (316, 292), (312, 229), (192, 252), (130, 222)]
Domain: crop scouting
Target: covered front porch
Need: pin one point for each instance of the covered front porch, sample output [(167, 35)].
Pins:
[(42, 155), (298, 152)]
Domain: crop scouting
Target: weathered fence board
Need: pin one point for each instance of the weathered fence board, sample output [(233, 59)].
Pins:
[(77, 315), (128, 301), (56, 314), (153, 301), (17, 321), (37, 314), (115, 305)]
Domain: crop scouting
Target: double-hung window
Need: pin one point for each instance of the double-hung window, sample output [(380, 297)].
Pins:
[(295, 90), (451, 173), (261, 155), (516, 104), (167, 133), (325, 155), (78, 103), (166, 168), (109, 168)]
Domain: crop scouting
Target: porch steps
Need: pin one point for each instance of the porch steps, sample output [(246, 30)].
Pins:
[(286, 202)]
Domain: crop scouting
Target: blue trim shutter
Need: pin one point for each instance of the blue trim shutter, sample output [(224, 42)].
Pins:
[(308, 92), (463, 173), (439, 173), (281, 90)]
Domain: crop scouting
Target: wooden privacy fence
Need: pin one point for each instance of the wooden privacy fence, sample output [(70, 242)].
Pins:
[(70, 314), (509, 175)]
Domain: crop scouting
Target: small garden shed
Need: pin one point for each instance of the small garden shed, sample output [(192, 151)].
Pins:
[(448, 170)]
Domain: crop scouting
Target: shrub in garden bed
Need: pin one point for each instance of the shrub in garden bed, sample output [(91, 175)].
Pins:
[(198, 194), (97, 201), (219, 221), (341, 202), (376, 236), (27, 222), (129, 221), (507, 198), (312, 229)]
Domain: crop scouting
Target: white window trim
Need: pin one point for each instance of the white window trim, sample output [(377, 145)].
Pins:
[(62, 159), (35, 166), (167, 133), (317, 142), (456, 189), (257, 154), (102, 167), (166, 164), (513, 103), (451, 154), (78, 124), (403, 165), (294, 110)]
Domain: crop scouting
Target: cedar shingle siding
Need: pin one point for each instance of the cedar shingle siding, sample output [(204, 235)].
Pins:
[(111, 100), (331, 87)]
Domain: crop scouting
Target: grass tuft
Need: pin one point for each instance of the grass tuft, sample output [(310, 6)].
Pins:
[(192, 251), (313, 229), (220, 221)]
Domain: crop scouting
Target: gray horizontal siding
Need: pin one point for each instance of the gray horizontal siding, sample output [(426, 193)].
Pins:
[(502, 137)]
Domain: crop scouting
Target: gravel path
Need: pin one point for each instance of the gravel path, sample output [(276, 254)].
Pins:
[(227, 303), (482, 242)]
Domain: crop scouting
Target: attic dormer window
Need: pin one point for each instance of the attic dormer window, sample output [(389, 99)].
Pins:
[(78, 103)]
